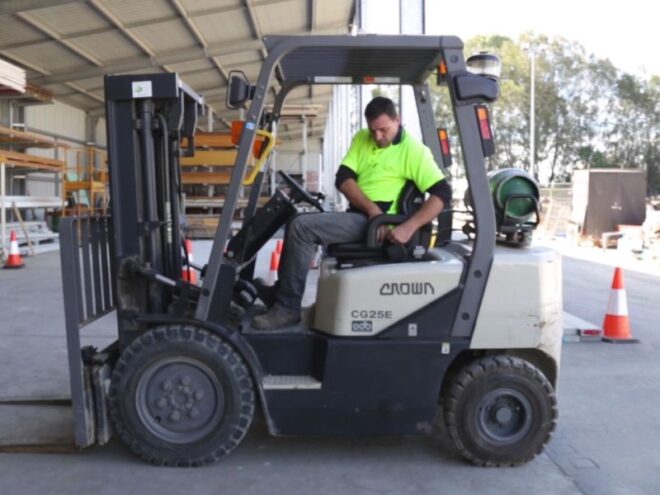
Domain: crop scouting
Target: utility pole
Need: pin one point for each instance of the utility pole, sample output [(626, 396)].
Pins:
[(532, 120), (303, 155)]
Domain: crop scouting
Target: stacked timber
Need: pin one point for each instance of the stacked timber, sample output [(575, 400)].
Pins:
[(12, 79), (205, 178)]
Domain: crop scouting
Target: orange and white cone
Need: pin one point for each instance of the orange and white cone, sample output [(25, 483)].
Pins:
[(616, 326), (274, 266), (189, 274), (14, 260), (316, 260)]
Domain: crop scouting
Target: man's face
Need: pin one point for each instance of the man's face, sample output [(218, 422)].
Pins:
[(383, 129)]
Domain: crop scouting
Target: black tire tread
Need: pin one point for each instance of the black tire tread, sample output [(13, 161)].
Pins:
[(182, 334), (476, 370)]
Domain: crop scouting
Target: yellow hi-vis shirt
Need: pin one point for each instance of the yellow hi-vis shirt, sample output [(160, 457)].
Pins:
[(382, 172)]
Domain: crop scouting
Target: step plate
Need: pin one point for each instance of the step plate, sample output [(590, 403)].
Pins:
[(291, 382)]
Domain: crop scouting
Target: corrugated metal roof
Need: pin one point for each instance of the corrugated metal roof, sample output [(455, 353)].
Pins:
[(66, 47), (133, 12), (285, 17), (67, 19), (107, 46), (192, 66), (166, 36), (17, 33), (231, 25), (236, 60), (49, 55), (200, 5)]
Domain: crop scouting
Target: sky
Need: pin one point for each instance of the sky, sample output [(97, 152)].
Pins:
[(627, 32)]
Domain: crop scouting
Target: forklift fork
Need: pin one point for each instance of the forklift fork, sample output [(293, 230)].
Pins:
[(88, 281)]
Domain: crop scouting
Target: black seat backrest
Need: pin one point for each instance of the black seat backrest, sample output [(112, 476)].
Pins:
[(410, 199)]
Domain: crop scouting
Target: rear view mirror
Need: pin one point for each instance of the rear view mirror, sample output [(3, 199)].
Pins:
[(239, 91)]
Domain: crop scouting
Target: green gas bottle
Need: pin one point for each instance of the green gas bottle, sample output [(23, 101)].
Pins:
[(515, 190)]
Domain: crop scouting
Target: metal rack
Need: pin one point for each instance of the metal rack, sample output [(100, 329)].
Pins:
[(12, 139), (85, 184)]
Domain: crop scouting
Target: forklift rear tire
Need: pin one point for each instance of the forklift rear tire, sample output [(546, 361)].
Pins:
[(180, 396), (500, 411)]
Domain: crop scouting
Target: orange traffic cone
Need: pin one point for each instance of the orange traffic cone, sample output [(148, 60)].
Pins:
[(274, 266), (616, 326), (14, 260), (279, 245), (315, 262), (188, 272)]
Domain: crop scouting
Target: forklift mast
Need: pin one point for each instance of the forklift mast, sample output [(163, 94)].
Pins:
[(147, 117)]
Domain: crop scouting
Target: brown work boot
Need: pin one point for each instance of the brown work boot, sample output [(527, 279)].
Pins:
[(275, 318)]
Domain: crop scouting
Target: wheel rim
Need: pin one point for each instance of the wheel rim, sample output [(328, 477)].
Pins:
[(179, 400), (504, 416)]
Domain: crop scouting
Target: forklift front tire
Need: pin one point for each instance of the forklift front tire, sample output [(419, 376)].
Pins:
[(500, 411), (180, 396)]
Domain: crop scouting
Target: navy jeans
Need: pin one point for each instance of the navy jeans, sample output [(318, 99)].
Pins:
[(303, 234)]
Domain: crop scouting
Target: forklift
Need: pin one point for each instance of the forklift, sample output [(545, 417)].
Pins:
[(463, 330)]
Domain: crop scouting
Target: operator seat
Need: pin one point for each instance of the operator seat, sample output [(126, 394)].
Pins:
[(410, 200)]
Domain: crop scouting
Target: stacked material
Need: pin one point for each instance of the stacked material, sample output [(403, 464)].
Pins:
[(12, 79)]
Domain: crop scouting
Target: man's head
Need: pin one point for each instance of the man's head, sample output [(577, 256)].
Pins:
[(383, 121)]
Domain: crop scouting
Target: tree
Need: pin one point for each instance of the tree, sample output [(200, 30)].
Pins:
[(588, 113)]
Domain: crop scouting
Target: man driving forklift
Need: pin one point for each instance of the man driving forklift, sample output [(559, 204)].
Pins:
[(381, 159)]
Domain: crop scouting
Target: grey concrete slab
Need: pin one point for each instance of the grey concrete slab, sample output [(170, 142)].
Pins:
[(577, 329), (609, 427), (36, 425), (604, 444), (573, 324), (291, 466)]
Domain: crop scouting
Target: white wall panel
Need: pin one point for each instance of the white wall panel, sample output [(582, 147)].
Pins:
[(101, 136), (41, 184), (58, 118), (343, 122)]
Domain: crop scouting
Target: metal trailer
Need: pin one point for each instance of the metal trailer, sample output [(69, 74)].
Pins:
[(463, 329)]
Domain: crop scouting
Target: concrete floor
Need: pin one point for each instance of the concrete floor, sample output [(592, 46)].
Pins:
[(606, 441)]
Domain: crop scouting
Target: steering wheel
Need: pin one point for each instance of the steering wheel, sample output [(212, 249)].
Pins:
[(298, 193)]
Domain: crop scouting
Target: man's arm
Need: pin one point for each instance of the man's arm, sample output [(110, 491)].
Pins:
[(349, 187), (429, 210), (356, 197)]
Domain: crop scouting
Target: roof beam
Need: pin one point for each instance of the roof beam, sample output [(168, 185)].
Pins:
[(176, 56), (32, 22), (127, 25), (132, 37), (118, 24), (183, 74), (311, 15), (219, 95), (254, 26), (299, 130), (256, 32), (192, 27)]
